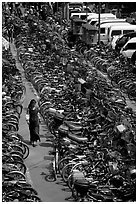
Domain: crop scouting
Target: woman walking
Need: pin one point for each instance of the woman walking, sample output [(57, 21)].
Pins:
[(33, 121)]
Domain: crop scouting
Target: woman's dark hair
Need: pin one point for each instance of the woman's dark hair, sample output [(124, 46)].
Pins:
[(33, 101)]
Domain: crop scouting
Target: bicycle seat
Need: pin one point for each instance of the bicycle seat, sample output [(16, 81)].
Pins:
[(77, 138)]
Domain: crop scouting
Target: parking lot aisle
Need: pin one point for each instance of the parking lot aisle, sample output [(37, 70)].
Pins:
[(39, 160)]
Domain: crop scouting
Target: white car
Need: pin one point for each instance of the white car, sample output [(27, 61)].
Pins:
[(129, 48)]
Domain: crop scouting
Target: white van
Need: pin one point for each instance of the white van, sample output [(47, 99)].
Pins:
[(102, 16), (120, 30), (104, 30), (82, 15), (118, 20), (129, 48)]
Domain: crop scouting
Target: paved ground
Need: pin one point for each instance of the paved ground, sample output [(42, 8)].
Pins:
[(39, 159)]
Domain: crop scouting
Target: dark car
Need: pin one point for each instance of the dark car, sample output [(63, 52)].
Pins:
[(123, 40)]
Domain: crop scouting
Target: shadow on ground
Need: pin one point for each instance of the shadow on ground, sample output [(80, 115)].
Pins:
[(46, 144), (48, 157), (27, 142)]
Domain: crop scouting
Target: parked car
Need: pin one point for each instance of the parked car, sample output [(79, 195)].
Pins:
[(129, 48), (122, 40), (104, 21), (105, 28), (120, 30), (103, 16)]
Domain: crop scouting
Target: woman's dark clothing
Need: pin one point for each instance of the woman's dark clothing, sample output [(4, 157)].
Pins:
[(34, 125)]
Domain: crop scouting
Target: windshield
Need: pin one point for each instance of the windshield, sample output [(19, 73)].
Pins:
[(102, 30), (131, 46), (127, 31), (116, 32)]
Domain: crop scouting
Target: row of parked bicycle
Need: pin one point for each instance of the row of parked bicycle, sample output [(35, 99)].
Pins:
[(15, 186), (121, 73), (93, 129), (119, 70)]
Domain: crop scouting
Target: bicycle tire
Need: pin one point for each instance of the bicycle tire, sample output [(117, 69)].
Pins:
[(17, 148), (131, 97), (6, 198), (62, 163), (65, 160), (26, 150), (113, 83), (6, 158), (18, 108), (21, 166), (35, 198), (15, 138), (70, 182), (66, 171), (12, 153), (30, 190), (56, 160), (12, 127), (13, 117), (16, 157), (17, 175), (50, 178)]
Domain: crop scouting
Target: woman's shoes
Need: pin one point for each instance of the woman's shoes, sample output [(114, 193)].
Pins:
[(33, 144)]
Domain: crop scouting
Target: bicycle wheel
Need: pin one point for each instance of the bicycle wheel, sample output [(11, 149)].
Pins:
[(55, 166), (17, 148), (7, 198), (70, 181), (35, 198), (12, 127), (66, 171), (15, 123), (21, 166), (6, 159), (132, 95), (16, 175), (30, 190), (16, 153), (62, 163), (25, 150), (16, 157), (18, 108), (50, 178)]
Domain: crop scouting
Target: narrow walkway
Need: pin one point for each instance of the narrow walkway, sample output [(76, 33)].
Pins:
[(39, 159)]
